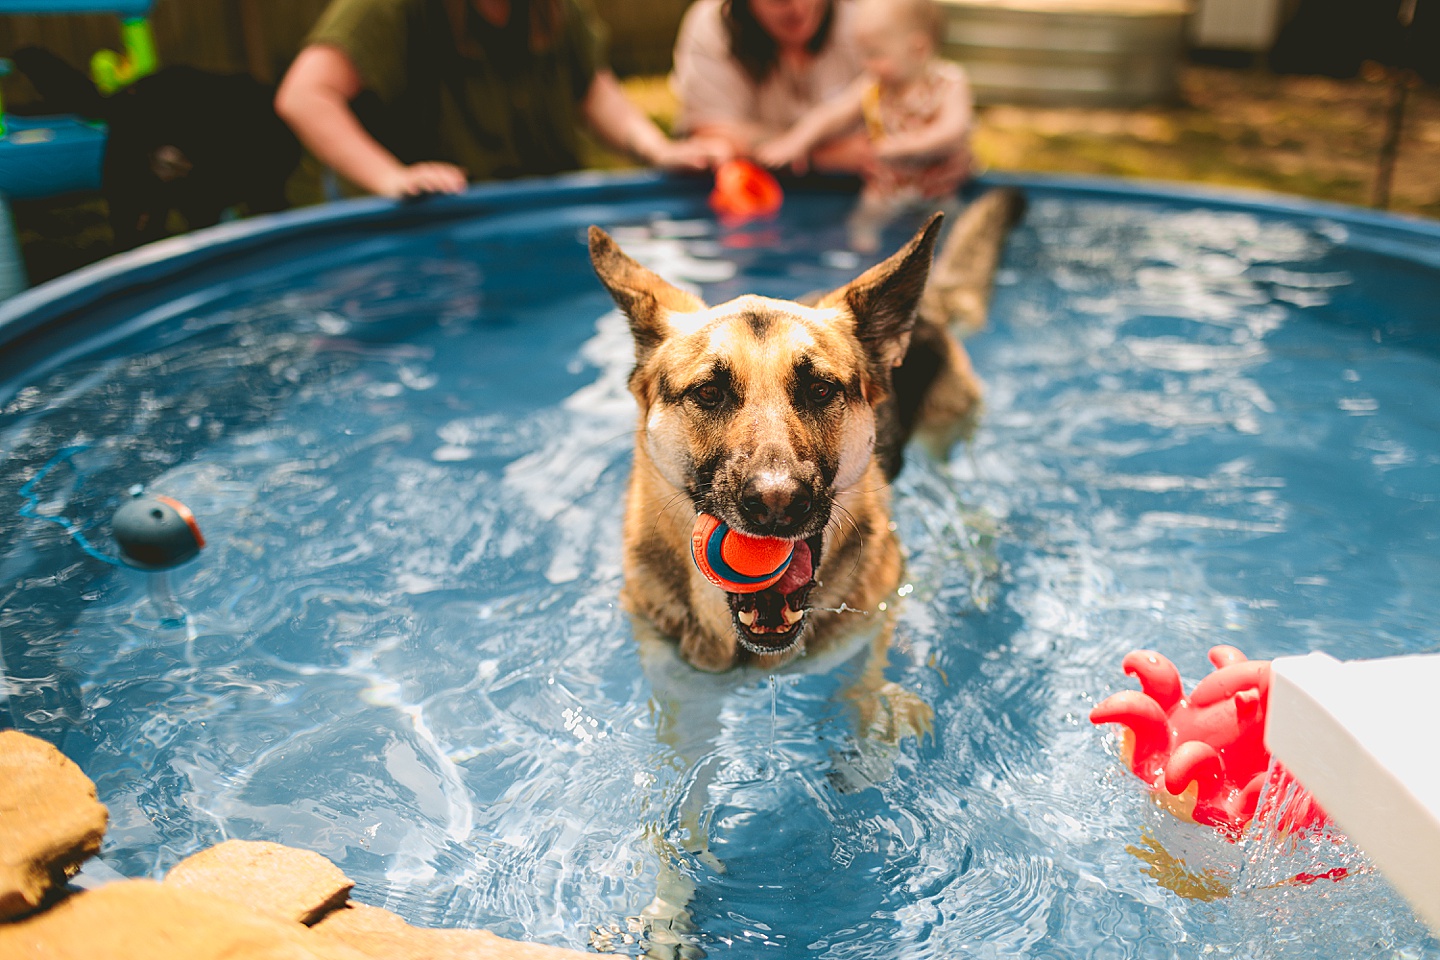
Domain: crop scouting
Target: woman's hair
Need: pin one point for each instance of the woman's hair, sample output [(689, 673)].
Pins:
[(756, 50)]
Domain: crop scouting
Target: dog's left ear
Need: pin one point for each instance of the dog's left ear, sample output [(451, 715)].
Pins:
[(884, 298), (640, 294)]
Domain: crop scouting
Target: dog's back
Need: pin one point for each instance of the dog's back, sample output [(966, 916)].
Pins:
[(937, 393), (179, 139)]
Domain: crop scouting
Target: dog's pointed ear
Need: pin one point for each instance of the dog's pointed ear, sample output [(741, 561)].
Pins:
[(884, 298), (640, 294)]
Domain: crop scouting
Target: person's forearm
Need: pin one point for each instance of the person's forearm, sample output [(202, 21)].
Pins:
[(825, 123), (619, 122), (742, 137), (946, 135), (937, 141), (330, 130), (852, 153)]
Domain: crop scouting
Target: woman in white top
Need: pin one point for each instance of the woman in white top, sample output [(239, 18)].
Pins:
[(747, 70)]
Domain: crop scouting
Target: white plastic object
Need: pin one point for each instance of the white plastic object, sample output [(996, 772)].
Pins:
[(1364, 737)]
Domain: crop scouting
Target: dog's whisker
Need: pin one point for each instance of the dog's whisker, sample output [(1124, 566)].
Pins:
[(680, 496), (841, 513), (673, 501), (837, 524), (879, 487), (841, 516), (860, 540)]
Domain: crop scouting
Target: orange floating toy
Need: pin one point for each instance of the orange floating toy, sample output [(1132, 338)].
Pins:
[(736, 562), (744, 191), (1204, 756)]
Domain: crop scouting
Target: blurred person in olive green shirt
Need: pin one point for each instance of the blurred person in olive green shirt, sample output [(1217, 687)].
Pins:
[(403, 97)]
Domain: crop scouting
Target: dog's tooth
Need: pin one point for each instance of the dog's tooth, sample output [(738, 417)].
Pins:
[(747, 617), (791, 616)]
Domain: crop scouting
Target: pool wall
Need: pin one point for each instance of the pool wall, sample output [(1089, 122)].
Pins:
[(83, 312), (124, 293)]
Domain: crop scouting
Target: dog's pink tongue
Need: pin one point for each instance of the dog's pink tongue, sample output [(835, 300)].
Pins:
[(799, 571)]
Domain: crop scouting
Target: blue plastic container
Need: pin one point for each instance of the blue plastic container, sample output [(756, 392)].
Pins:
[(405, 430)]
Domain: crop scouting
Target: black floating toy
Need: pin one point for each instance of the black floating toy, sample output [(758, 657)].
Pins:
[(156, 533)]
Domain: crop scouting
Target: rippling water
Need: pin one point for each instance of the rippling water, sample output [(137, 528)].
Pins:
[(403, 648)]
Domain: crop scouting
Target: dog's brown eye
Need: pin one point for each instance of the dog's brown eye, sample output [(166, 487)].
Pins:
[(708, 395), (821, 391)]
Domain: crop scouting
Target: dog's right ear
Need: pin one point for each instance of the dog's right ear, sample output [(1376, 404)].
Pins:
[(640, 294), (883, 299)]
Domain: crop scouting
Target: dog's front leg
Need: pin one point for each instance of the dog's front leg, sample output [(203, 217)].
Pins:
[(687, 721), (665, 926), (704, 651), (707, 638), (886, 713)]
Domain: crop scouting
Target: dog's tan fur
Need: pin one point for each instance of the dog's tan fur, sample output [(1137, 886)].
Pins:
[(856, 339), (902, 371), (861, 562)]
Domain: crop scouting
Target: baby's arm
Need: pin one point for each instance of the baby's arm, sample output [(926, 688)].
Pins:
[(943, 136), (823, 121)]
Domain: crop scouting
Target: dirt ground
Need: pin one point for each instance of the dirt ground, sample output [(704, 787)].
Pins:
[(1304, 135), (1310, 136)]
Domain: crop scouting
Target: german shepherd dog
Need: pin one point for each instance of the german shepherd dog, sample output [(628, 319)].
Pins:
[(788, 420)]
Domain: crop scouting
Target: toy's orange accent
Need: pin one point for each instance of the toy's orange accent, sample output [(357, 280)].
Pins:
[(755, 556), (187, 516), (1210, 747), (744, 191)]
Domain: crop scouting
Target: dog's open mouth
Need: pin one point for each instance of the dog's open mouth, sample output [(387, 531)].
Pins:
[(772, 620)]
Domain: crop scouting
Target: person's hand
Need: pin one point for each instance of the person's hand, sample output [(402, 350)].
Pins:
[(696, 153), (944, 178), (783, 151), (889, 148), (883, 178), (854, 153), (419, 178)]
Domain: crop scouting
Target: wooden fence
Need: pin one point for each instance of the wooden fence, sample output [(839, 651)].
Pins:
[(262, 36)]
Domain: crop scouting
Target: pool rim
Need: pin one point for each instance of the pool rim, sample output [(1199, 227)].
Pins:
[(154, 264)]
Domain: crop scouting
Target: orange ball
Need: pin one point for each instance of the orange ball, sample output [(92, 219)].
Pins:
[(734, 561), (755, 556)]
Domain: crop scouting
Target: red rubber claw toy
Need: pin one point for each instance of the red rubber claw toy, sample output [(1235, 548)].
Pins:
[(1204, 757), (744, 192)]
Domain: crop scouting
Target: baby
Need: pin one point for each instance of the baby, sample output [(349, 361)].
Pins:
[(916, 107)]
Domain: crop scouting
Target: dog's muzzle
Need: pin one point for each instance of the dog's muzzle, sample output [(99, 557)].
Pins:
[(773, 620)]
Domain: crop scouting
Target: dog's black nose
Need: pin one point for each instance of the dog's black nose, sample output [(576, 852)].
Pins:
[(775, 505)]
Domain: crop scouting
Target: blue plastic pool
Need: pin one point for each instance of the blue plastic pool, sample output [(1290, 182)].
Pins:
[(405, 432)]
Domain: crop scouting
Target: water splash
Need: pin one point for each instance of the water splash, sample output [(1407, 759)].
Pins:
[(163, 604), (774, 697), (1285, 816)]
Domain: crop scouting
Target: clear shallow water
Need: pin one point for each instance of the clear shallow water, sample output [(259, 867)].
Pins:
[(404, 651)]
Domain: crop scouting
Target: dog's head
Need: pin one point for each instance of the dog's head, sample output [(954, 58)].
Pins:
[(763, 412)]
